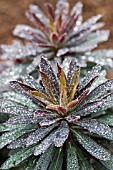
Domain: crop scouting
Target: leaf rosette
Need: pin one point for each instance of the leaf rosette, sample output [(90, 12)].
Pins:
[(58, 122)]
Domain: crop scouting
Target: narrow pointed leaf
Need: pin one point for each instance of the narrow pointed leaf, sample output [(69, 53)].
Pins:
[(107, 102), (87, 87), (24, 90), (27, 32), (49, 87), (89, 108), (39, 134), (73, 84), (45, 67), (101, 90), (41, 97), (61, 134), (72, 160), (44, 113), (91, 74), (12, 135), (49, 121), (16, 99), (23, 119), (71, 71), (61, 110), (6, 127), (83, 161), (95, 126), (30, 81), (17, 158), (50, 11), (77, 9), (36, 10), (16, 110), (107, 119), (45, 159), (108, 164), (62, 4), (92, 147), (57, 161), (44, 145), (63, 88), (19, 143)]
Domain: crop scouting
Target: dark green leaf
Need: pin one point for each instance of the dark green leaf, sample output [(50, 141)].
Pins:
[(83, 161), (18, 157), (107, 119), (91, 146), (95, 126), (108, 164), (45, 159), (12, 135), (57, 161), (72, 161)]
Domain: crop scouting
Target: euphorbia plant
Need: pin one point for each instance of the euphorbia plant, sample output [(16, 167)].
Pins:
[(59, 34), (57, 123)]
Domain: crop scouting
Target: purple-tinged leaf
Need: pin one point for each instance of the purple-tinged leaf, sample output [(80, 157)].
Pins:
[(71, 71), (81, 97), (86, 88), (100, 90), (24, 90), (44, 113), (77, 9), (91, 21), (88, 108), (71, 24), (29, 33), (62, 5), (50, 11), (107, 102), (62, 37), (71, 104), (45, 67), (61, 110), (39, 13), (90, 75), (54, 37), (49, 121), (30, 81), (36, 22)]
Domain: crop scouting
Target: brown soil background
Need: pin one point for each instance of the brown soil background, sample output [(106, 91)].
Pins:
[(12, 12)]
